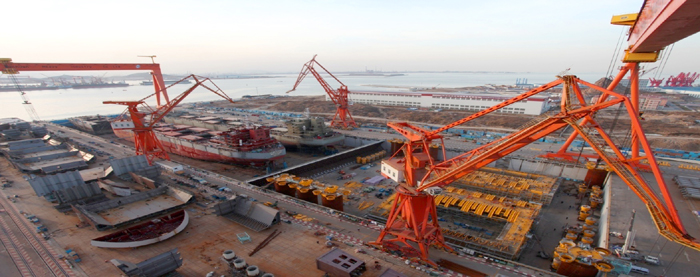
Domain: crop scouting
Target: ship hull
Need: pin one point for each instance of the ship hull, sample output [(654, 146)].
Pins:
[(146, 233), (309, 142), (124, 134), (13, 89), (210, 153), (92, 125)]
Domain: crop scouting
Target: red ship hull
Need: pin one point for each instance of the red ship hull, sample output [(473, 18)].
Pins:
[(146, 233), (255, 159), (208, 156)]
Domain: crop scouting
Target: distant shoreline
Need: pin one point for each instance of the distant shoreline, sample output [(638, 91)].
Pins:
[(246, 77)]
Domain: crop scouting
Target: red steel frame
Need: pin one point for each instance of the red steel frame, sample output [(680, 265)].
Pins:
[(661, 23), (633, 69), (158, 82), (342, 117), (144, 119), (413, 217)]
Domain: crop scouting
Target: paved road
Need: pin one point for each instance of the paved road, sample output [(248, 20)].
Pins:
[(117, 150)]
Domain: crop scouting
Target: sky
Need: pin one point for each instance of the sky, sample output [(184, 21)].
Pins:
[(247, 37)]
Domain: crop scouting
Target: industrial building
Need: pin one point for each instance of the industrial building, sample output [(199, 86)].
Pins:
[(15, 128), (47, 156), (535, 105)]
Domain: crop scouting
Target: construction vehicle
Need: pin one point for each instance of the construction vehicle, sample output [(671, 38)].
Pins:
[(412, 218), (72, 255), (271, 205), (140, 117), (41, 228), (342, 117)]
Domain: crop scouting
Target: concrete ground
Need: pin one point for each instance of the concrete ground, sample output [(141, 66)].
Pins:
[(30, 253), (368, 234), (549, 230), (623, 200), (351, 204), (200, 244), (555, 215), (675, 259)]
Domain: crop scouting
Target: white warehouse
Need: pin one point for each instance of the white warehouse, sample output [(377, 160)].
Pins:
[(535, 105)]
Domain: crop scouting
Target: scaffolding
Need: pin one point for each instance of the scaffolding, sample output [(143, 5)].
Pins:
[(499, 207), (514, 218)]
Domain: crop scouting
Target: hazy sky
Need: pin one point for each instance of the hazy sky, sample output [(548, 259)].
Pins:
[(279, 36)]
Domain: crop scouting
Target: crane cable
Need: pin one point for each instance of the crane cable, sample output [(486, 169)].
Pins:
[(627, 139), (655, 242), (664, 61), (25, 99), (662, 248), (673, 261), (608, 80), (616, 53)]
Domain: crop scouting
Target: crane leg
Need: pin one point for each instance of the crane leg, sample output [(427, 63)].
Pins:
[(413, 221), (148, 145), (343, 118)]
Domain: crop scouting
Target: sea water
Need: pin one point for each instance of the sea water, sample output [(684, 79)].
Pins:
[(64, 103)]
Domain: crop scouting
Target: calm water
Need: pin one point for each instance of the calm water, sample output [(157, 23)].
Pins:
[(64, 103)]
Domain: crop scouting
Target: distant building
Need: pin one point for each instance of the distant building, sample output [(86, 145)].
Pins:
[(264, 96), (454, 101), (652, 102)]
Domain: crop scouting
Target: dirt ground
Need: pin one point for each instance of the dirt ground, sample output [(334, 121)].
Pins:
[(670, 129)]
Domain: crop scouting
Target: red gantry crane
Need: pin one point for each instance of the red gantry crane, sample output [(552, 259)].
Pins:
[(413, 217), (342, 117), (144, 117), (658, 25), (9, 67)]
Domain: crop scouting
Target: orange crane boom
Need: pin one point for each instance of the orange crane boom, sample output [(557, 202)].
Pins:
[(145, 117), (342, 117), (658, 25), (413, 217)]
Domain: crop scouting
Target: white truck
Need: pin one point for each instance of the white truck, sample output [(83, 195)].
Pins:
[(171, 167)]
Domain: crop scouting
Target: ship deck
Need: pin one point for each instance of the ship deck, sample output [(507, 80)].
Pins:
[(140, 208), (44, 153)]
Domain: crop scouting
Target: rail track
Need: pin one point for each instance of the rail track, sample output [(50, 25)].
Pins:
[(27, 266), (18, 255)]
